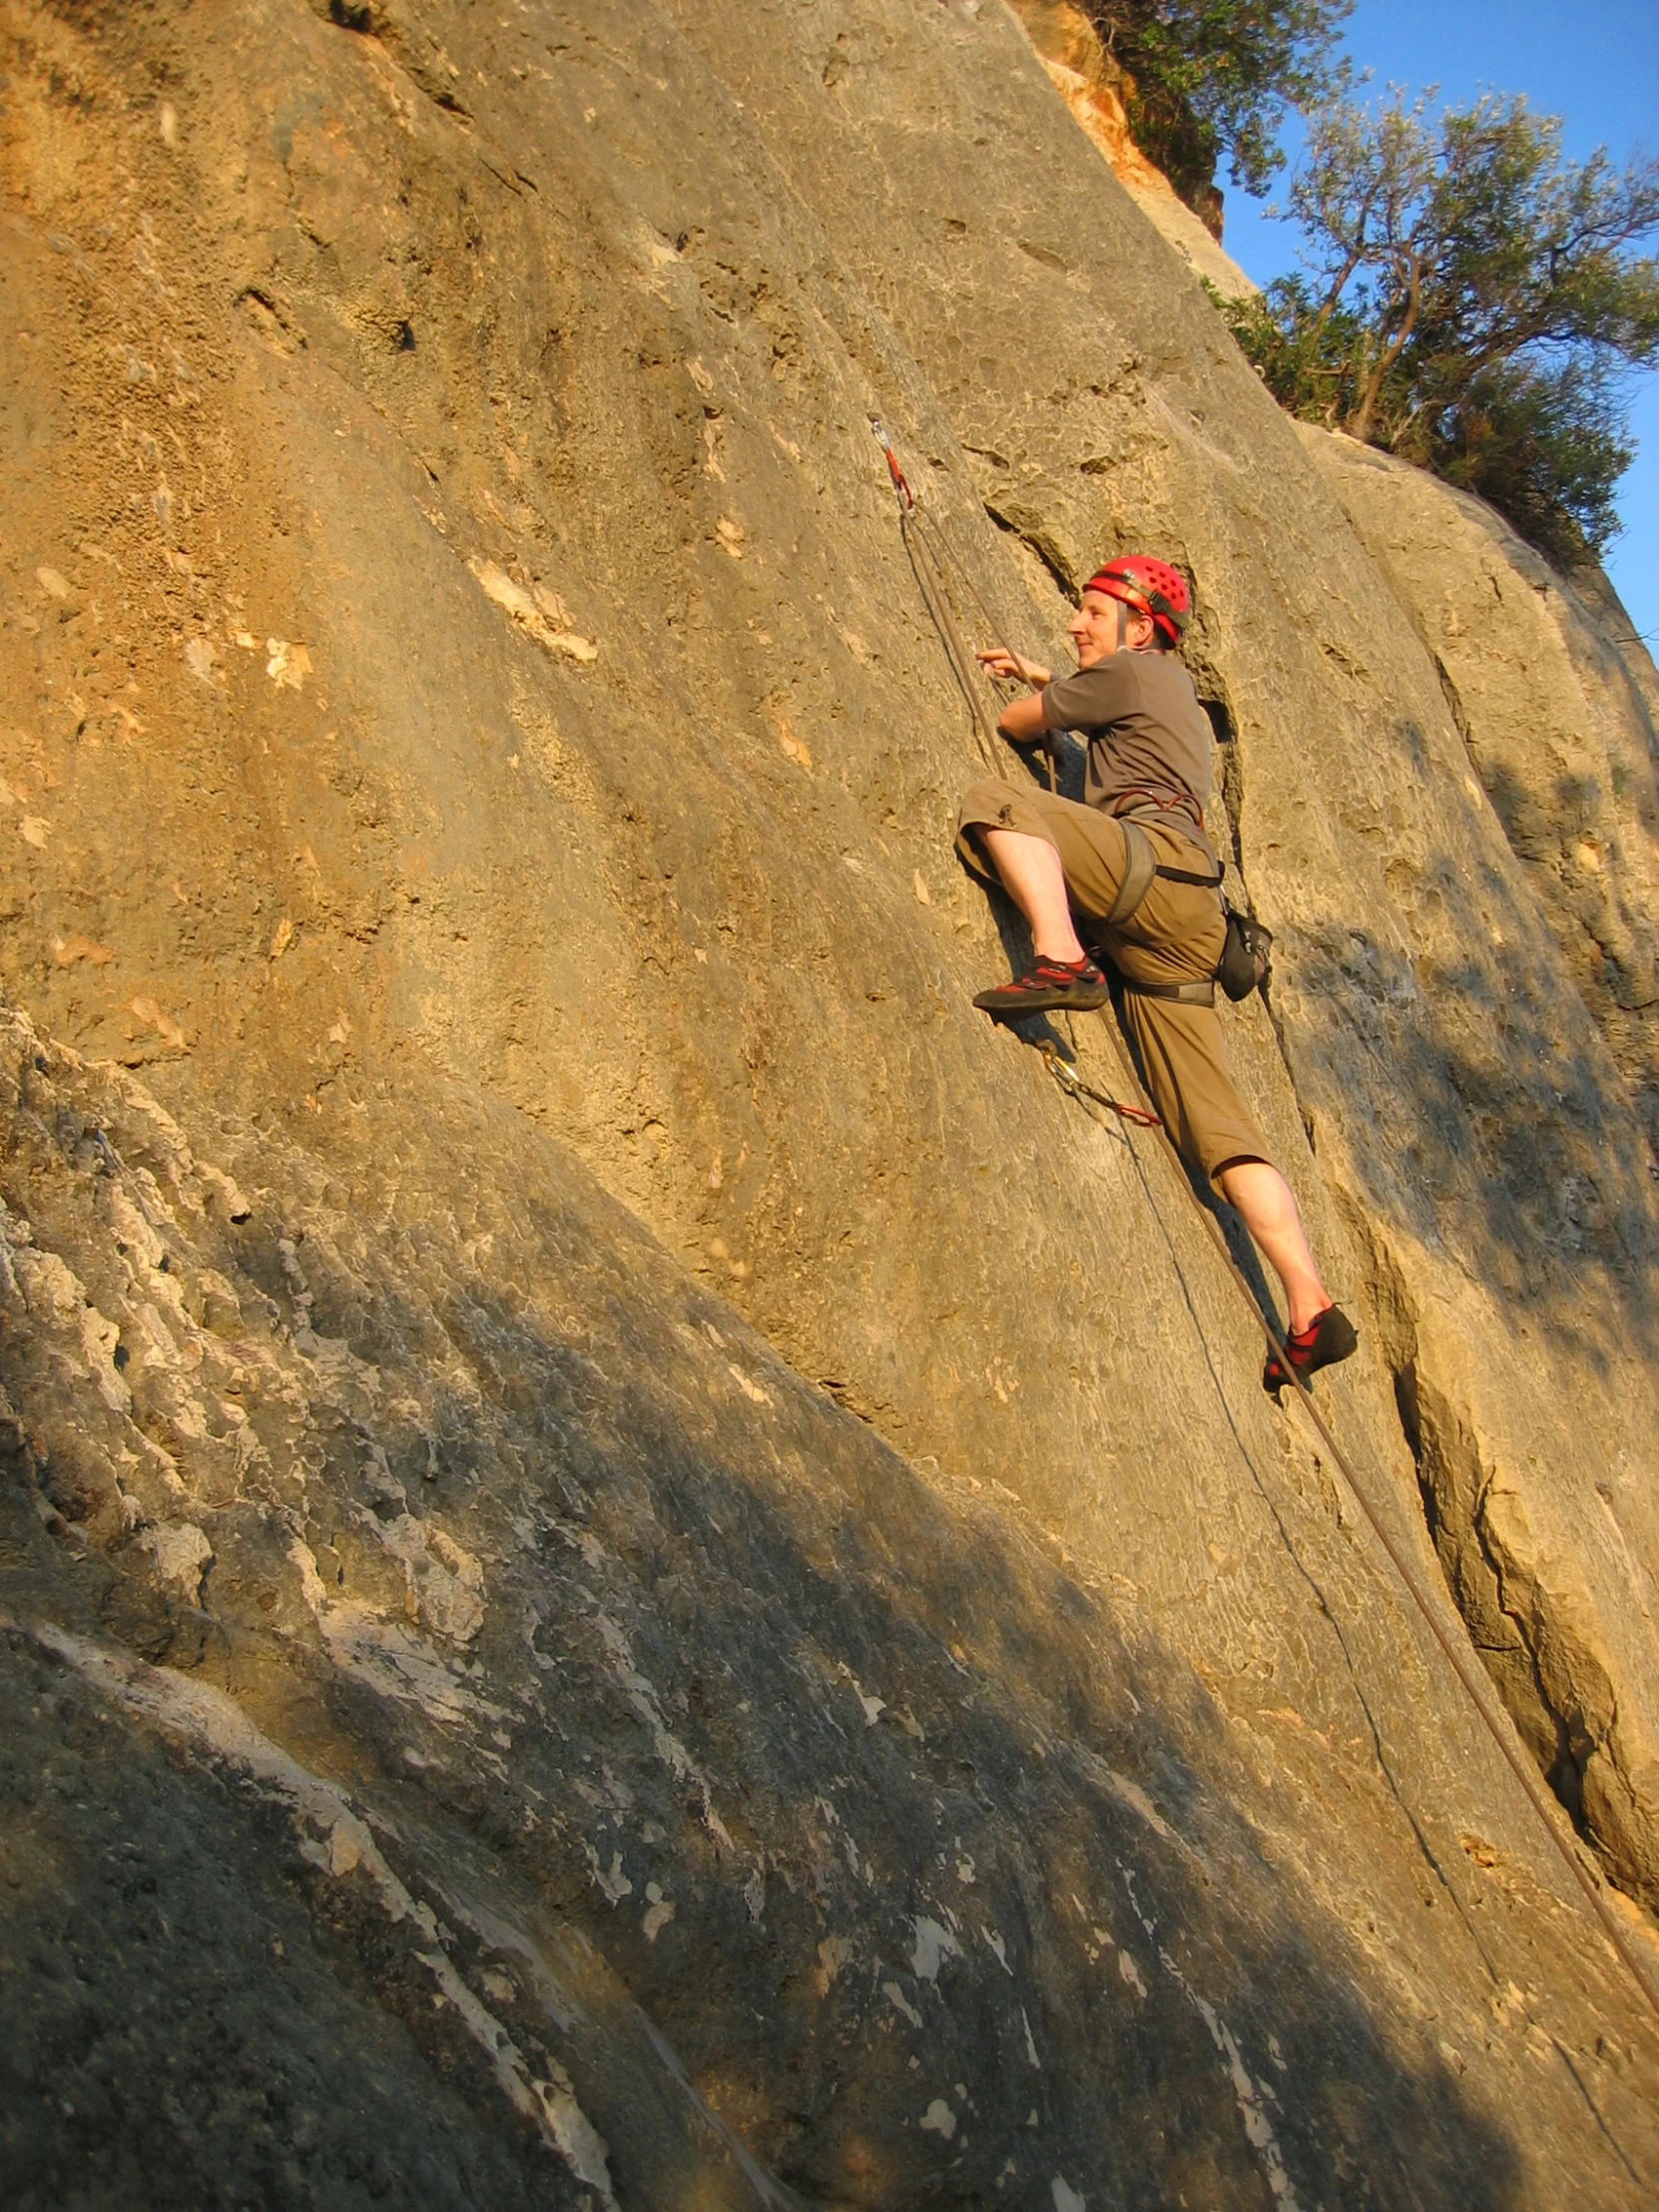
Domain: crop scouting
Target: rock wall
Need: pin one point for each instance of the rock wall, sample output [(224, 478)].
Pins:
[(1095, 91), (1556, 698), (689, 1561)]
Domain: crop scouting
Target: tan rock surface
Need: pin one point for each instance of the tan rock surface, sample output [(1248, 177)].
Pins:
[(1069, 48), (474, 744)]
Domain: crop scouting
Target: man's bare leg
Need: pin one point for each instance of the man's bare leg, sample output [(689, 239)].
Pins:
[(1036, 883), (1261, 1199)]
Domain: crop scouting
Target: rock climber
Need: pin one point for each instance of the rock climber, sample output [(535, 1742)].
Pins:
[(1064, 864)]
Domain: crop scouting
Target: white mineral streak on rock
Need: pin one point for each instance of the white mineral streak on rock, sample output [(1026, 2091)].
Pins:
[(56, 1297), (611, 1881), (900, 2003), (180, 1552), (448, 1589), (833, 1819), (1031, 2039), (938, 2120), (934, 1945), (1066, 2196), (997, 1947), (659, 1911), (873, 1707), (751, 1391), (536, 612), (1132, 1794), (288, 665), (670, 1750), (386, 1655), (209, 1721), (1262, 2138)]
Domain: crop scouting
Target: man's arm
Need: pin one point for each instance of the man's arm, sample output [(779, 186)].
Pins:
[(1022, 721)]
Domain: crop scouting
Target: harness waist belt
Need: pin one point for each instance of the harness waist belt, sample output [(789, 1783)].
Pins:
[(1181, 994)]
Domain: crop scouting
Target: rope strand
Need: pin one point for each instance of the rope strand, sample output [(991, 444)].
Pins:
[(1462, 1665), (930, 557)]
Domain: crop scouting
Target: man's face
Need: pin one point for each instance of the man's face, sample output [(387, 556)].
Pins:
[(1093, 630)]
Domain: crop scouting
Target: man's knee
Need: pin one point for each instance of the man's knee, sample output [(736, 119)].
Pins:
[(988, 804)]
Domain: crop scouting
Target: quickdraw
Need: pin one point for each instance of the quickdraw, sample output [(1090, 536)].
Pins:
[(1066, 1075)]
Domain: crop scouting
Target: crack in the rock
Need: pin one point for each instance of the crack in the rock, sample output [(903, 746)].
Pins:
[(1564, 1736), (1572, 1745)]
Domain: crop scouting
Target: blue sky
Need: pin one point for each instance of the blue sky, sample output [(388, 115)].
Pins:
[(1595, 67)]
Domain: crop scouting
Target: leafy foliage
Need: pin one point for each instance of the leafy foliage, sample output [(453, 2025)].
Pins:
[(1472, 302), (1213, 77)]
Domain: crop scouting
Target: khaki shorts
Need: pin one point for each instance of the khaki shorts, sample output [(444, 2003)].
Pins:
[(1175, 935)]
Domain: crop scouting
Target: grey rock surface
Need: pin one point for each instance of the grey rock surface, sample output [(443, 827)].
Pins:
[(592, 1453)]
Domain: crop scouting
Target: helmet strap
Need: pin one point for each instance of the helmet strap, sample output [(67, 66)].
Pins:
[(1123, 620)]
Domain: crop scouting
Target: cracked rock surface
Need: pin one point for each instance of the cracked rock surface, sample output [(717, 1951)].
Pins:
[(637, 1568)]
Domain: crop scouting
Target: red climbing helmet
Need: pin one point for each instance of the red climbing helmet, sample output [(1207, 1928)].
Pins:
[(1149, 585)]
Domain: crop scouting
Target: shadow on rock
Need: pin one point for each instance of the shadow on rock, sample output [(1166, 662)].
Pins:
[(802, 1819)]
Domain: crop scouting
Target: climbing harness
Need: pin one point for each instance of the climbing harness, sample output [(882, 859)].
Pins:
[(1246, 954), (1140, 867)]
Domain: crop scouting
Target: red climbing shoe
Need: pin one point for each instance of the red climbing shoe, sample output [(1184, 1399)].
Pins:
[(1044, 988), (1327, 1337)]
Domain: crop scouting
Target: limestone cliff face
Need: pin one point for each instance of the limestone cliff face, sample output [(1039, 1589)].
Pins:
[(638, 1569), (1095, 92), (1556, 698)]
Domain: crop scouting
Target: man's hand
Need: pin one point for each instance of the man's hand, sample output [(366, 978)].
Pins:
[(1000, 661)]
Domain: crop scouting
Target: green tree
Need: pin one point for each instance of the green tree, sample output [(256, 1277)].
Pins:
[(1472, 302), (1213, 77)]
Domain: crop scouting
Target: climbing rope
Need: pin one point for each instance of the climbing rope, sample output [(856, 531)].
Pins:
[(935, 565), (1477, 1690), (937, 600), (932, 559)]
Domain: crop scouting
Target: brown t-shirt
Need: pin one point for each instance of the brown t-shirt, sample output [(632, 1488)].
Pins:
[(1146, 733)]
